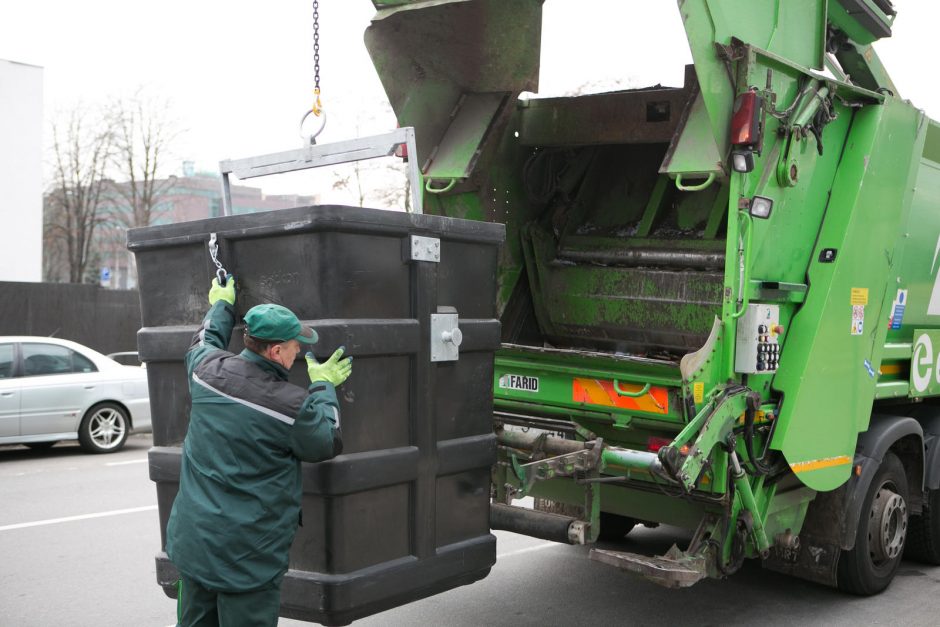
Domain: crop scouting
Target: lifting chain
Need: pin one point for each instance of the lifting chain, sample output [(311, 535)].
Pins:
[(317, 106), (317, 109)]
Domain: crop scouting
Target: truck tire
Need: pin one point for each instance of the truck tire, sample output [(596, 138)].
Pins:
[(923, 532), (871, 564)]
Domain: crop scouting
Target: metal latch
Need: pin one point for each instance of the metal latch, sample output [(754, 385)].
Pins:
[(445, 335), (425, 249)]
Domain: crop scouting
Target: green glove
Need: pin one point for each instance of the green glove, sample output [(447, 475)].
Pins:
[(334, 369), (219, 292)]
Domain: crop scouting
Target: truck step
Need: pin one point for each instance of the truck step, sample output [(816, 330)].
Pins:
[(675, 569)]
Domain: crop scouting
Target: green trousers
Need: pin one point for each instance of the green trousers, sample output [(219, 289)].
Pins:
[(198, 606)]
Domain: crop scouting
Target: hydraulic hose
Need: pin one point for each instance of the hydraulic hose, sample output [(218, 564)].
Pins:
[(760, 467)]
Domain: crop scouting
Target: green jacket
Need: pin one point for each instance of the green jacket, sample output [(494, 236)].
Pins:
[(239, 497)]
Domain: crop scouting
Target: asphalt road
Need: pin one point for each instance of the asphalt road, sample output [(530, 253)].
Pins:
[(78, 534)]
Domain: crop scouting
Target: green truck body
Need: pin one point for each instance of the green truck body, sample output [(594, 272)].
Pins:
[(720, 302)]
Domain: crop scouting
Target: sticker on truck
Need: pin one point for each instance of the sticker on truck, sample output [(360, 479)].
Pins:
[(519, 382), (601, 392), (897, 309), (858, 319)]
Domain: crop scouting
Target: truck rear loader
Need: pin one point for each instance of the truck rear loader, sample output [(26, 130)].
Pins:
[(719, 303)]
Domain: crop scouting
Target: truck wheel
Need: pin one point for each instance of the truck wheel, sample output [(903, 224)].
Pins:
[(923, 532), (870, 565)]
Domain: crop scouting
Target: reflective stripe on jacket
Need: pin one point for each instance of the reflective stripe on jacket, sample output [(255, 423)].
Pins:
[(238, 505)]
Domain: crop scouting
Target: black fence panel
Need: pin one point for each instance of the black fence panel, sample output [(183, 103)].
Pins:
[(104, 320)]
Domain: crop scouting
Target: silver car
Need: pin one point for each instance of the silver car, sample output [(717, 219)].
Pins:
[(52, 389)]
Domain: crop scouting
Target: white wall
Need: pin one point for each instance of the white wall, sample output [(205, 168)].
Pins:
[(20, 172)]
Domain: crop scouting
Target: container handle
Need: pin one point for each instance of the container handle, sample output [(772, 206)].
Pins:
[(621, 392), (694, 188), (439, 190)]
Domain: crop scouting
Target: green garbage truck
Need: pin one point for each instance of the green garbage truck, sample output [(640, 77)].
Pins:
[(719, 303)]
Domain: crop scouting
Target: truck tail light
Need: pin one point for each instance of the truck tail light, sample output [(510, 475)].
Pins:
[(401, 150), (746, 118), (653, 444)]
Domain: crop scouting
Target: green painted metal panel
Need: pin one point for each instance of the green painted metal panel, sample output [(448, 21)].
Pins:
[(455, 155), (794, 29), (827, 371), (693, 150), (862, 20), (916, 298), (427, 54)]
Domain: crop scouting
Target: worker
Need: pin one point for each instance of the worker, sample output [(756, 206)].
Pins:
[(238, 506)]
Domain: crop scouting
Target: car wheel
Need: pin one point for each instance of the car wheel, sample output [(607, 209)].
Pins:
[(870, 565), (104, 428)]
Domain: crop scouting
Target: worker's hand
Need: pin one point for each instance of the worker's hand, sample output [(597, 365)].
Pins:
[(222, 292), (335, 370)]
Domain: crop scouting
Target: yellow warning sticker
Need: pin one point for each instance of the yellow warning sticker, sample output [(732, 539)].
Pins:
[(819, 464), (859, 296), (698, 391)]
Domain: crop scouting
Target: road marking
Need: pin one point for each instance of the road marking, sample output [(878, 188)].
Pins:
[(529, 549), (133, 461), (53, 521)]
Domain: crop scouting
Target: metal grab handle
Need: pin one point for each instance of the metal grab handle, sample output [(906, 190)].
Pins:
[(439, 190), (311, 139), (694, 188), (644, 391)]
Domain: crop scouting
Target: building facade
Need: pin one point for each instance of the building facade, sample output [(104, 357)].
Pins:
[(181, 199), (21, 102)]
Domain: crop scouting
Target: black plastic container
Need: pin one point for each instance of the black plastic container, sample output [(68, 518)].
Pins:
[(403, 513)]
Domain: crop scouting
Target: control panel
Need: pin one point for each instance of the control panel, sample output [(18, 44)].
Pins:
[(757, 350)]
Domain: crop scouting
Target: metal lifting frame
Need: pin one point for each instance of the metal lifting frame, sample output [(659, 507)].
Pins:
[(315, 156)]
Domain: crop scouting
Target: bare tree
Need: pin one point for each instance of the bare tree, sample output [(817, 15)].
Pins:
[(81, 148), (393, 189), (352, 182), (144, 132)]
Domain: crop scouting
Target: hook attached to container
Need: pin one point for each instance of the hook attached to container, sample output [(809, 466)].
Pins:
[(220, 272)]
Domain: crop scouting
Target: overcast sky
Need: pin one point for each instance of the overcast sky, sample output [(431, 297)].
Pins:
[(238, 73)]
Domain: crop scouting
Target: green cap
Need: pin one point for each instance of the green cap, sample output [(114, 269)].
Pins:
[(274, 323)]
